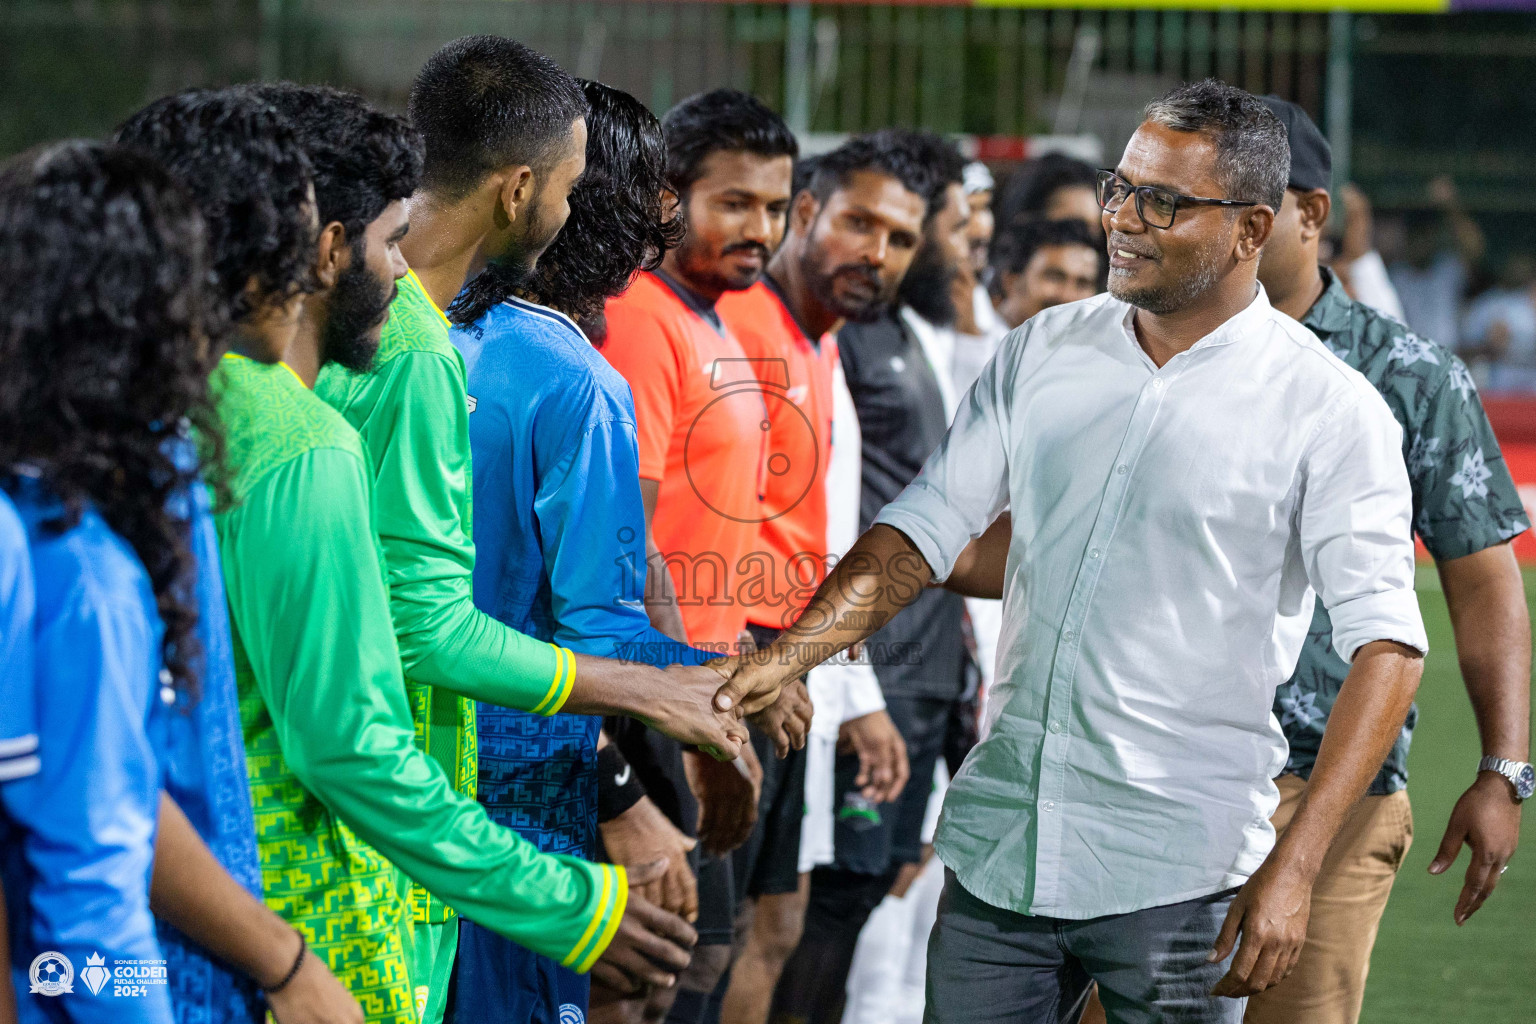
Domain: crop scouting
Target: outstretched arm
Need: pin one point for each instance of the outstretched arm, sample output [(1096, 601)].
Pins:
[(321, 649), (879, 576), (444, 640)]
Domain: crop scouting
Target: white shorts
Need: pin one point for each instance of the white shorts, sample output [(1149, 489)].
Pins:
[(816, 829)]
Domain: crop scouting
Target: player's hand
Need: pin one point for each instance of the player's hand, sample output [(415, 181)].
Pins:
[(314, 996), (642, 835), (1486, 818), (681, 708), (727, 798), (883, 768), (754, 681), (651, 946), (1271, 913), (787, 720)]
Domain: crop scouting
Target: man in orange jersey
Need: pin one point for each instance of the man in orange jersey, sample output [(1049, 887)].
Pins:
[(700, 425), (853, 230)]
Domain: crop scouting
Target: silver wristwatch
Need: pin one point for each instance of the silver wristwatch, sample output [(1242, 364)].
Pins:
[(1520, 775)]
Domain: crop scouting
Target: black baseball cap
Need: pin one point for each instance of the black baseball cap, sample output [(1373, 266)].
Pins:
[(1311, 156)]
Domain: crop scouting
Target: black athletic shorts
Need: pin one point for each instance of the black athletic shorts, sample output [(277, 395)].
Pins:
[(871, 838), (768, 864)]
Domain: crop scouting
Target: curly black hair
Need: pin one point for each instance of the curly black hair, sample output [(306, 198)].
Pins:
[(244, 166), (102, 297), (486, 102), (362, 158), (882, 152), (624, 218), (723, 120), (945, 165)]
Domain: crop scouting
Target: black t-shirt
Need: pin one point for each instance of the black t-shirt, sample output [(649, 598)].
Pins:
[(901, 417)]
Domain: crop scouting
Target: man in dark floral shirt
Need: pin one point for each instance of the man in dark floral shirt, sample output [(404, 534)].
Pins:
[(1466, 511)]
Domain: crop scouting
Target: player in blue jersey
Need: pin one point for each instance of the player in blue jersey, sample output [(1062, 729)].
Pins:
[(18, 715), (227, 955), (98, 255), (559, 525)]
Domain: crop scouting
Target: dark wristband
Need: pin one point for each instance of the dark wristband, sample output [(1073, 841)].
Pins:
[(617, 787), (293, 971)]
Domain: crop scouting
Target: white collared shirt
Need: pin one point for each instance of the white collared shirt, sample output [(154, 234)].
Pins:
[(1170, 526)]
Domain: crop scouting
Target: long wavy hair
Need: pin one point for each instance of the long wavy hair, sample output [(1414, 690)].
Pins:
[(624, 218), (241, 161), (104, 359)]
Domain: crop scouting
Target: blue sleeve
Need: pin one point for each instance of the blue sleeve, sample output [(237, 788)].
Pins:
[(88, 816), (18, 702), (592, 531)]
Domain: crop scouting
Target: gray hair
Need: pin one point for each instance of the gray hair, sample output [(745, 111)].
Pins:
[(1253, 152)]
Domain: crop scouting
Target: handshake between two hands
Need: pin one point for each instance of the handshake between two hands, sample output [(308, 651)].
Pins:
[(708, 709)]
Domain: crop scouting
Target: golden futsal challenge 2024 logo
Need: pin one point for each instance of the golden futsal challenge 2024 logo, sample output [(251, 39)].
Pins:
[(53, 974)]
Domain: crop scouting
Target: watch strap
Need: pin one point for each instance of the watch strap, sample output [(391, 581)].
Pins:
[(1506, 767)]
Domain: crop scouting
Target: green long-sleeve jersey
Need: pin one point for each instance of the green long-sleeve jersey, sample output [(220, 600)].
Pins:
[(337, 777), (412, 412)]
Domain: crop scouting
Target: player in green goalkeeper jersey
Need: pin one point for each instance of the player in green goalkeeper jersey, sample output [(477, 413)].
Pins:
[(505, 139), (340, 785)]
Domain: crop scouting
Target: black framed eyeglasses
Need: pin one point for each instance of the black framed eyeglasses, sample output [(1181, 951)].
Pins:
[(1155, 206)]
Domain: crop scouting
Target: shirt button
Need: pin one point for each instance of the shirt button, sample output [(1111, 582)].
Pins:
[(1094, 553), (1069, 636), (1122, 470), (1050, 805), (1157, 383), (1056, 727)]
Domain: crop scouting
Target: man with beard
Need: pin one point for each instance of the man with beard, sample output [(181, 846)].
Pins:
[(336, 778), (1185, 467), (1469, 510), (852, 234), (1041, 264), (561, 543), (248, 174), (505, 138), (897, 368), (730, 159)]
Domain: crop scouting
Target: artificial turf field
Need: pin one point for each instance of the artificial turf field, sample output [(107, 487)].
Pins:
[(1426, 970)]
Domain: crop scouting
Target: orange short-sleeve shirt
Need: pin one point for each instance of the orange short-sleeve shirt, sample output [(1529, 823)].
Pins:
[(796, 383), (700, 422)]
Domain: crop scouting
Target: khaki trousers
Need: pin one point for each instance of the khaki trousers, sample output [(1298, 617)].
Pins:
[(1347, 902)]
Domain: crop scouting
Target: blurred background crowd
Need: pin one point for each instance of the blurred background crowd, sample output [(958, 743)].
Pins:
[(1418, 107)]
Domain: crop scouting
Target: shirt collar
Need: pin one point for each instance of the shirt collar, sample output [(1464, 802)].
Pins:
[(1235, 329), (1330, 313), (549, 312), (778, 293)]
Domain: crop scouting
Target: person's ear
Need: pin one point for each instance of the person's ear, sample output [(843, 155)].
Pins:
[(1313, 208), (803, 211), (514, 191), (332, 254), (1254, 227)]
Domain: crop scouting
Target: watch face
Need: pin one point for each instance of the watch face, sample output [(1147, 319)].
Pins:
[(1525, 782)]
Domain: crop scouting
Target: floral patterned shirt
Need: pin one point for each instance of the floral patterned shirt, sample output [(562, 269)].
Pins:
[(1464, 499)]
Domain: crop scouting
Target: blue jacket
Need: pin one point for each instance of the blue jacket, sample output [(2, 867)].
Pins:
[(205, 774), (559, 549), (77, 881), (18, 709)]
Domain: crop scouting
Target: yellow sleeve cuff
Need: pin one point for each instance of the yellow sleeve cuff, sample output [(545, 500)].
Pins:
[(613, 897), (560, 688)]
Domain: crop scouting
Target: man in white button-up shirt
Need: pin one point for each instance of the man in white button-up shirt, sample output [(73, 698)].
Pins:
[(1185, 467)]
